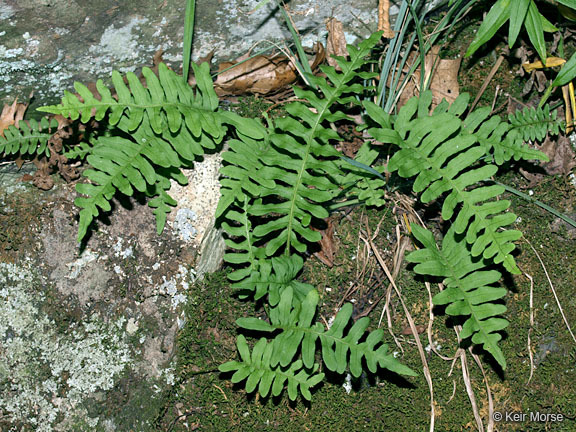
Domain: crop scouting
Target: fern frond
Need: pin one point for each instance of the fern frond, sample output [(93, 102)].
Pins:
[(502, 140), (272, 276), (299, 158), (469, 290), (260, 375), (242, 169), (118, 164), (533, 123), (275, 183), (341, 348), (30, 137), (166, 102), (443, 156), (155, 130)]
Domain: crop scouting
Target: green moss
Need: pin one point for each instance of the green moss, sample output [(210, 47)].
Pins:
[(386, 401), (256, 107)]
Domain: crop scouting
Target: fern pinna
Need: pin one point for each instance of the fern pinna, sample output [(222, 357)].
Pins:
[(450, 155), (30, 137), (154, 130), (277, 182)]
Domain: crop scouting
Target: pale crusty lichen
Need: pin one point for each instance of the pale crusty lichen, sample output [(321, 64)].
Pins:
[(46, 374)]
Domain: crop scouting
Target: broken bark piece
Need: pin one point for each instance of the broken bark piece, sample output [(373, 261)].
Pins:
[(336, 42), (443, 81)]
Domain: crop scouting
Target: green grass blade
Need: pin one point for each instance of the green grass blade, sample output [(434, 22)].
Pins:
[(302, 65), (538, 203), (497, 16), (188, 36)]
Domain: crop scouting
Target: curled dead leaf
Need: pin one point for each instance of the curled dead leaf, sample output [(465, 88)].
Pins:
[(328, 243), (11, 115), (261, 74), (562, 157)]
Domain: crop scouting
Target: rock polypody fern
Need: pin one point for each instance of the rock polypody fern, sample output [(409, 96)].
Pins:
[(156, 130), (292, 173), (276, 182)]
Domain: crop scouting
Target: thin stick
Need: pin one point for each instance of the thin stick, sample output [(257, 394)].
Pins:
[(495, 99), (470, 391), (425, 367), (530, 354), (487, 81), (488, 392), (552, 288)]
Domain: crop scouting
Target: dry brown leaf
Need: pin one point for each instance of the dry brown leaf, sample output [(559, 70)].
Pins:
[(537, 78), (408, 331), (336, 41), (444, 80), (11, 115), (384, 19), (328, 244), (260, 74), (561, 155), (562, 160)]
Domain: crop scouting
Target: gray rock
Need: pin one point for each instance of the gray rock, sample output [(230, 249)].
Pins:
[(45, 45), (97, 325)]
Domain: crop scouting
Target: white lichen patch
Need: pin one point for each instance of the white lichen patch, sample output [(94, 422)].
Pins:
[(119, 43), (76, 266), (120, 251), (347, 383), (176, 287), (6, 11), (184, 224), (47, 374)]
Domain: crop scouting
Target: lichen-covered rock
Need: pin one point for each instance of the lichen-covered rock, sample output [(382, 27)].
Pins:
[(47, 44), (87, 336), (47, 371)]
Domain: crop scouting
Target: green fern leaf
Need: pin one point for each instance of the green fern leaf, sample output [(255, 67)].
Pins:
[(31, 137), (337, 343), (239, 238), (469, 288), (341, 349), (442, 152), (166, 103), (260, 375), (120, 164), (273, 276), (506, 140), (294, 171), (533, 123), (275, 183), (167, 124), (242, 170)]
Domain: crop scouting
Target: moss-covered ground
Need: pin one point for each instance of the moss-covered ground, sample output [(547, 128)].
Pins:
[(538, 348), (203, 399)]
